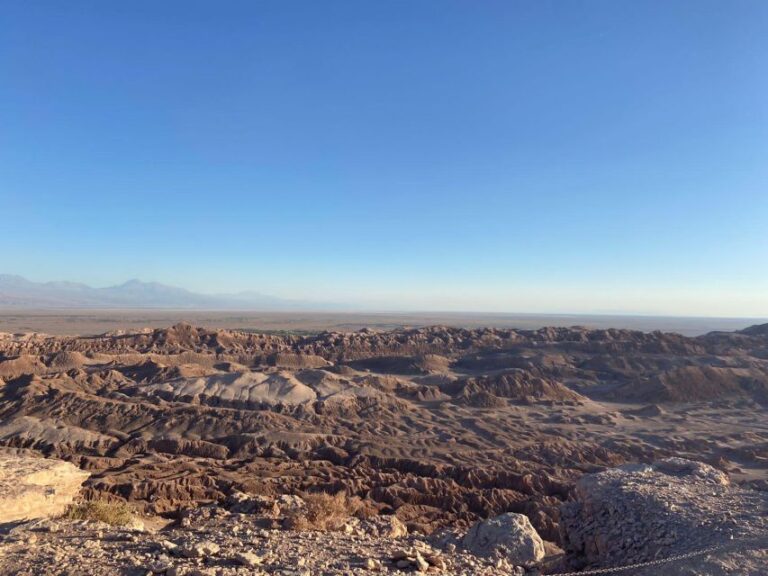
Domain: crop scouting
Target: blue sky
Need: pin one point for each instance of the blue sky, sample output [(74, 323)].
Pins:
[(570, 156)]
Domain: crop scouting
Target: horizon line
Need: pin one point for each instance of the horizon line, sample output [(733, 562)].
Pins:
[(5, 310)]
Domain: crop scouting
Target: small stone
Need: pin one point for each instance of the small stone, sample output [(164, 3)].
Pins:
[(435, 560), (136, 525), (248, 559), (385, 526), (160, 566), (168, 545), (200, 550), (421, 564)]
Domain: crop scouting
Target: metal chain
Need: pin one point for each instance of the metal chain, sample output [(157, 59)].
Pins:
[(653, 562)]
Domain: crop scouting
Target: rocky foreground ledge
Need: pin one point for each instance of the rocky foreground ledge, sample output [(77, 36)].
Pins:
[(684, 517), (35, 487), (211, 541), (639, 513), (245, 534)]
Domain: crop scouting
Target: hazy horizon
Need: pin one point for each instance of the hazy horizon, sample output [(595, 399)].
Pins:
[(345, 307), (521, 157)]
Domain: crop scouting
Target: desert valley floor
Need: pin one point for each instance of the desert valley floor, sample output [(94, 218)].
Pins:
[(436, 426)]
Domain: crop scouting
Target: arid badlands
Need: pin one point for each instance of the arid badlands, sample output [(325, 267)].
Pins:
[(438, 450)]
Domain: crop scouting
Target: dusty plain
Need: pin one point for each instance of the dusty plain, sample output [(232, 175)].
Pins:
[(61, 321)]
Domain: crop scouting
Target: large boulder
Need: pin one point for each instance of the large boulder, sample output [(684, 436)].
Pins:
[(641, 512), (510, 536), (36, 487)]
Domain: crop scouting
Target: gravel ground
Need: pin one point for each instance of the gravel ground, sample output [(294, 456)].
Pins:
[(227, 546)]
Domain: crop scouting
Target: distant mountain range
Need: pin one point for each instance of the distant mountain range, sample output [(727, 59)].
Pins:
[(17, 292)]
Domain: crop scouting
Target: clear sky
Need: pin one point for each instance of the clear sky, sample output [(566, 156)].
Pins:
[(537, 156)]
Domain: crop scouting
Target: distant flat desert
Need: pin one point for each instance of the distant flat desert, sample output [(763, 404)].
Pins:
[(90, 322)]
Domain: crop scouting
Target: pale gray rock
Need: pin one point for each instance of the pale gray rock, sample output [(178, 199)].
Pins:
[(199, 549), (641, 512), (510, 536), (384, 526)]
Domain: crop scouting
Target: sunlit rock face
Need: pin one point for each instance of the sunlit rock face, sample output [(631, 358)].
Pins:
[(36, 487)]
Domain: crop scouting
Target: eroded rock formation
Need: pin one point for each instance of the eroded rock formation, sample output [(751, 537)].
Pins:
[(437, 426)]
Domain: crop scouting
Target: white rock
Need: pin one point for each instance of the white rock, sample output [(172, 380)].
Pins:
[(36, 487)]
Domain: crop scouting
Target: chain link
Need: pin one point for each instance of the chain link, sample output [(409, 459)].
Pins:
[(685, 556)]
